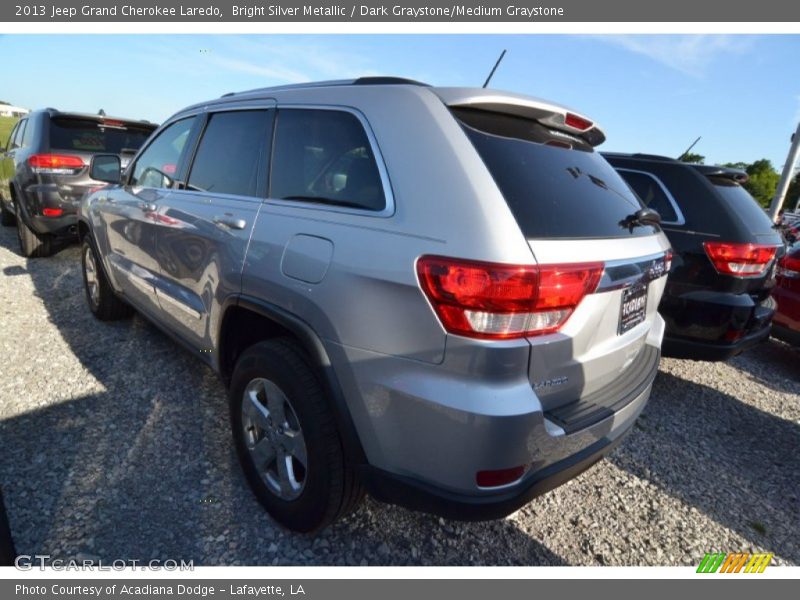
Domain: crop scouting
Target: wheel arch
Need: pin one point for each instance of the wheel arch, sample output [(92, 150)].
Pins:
[(258, 320)]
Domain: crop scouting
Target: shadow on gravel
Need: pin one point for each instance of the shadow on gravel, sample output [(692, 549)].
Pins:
[(773, 364), (145, 468), (731, 461)]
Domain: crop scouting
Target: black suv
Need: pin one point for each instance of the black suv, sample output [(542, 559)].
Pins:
[(717, 300), (44, 171)]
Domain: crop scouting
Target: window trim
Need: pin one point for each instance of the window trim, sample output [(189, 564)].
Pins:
[(388, 194), (670, 198)]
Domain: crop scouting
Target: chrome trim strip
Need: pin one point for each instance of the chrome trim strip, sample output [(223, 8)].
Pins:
[(161, 295), (619, 274)]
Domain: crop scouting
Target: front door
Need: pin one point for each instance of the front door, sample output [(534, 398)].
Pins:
[(204, 228), (131, 213)]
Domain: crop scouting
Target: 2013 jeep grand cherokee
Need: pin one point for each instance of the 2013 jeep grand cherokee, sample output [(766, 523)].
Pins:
[(443, 296)]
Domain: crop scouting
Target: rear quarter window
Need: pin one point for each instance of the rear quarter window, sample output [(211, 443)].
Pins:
[(325, 157), (556, 185), (652, 194)]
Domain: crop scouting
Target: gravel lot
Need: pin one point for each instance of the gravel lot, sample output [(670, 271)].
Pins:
[(114, 443)]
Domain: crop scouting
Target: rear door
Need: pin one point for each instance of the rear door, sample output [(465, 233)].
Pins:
[(571, 205), (131, 213), (204, 229)]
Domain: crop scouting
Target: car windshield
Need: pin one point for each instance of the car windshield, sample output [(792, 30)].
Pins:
[(86, 135)]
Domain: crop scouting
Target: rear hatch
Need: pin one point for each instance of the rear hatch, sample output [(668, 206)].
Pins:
[(571, 205), (78, 138)]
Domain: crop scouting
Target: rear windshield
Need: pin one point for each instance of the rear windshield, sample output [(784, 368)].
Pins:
[(556, 185), (85, 135), (743, 204)]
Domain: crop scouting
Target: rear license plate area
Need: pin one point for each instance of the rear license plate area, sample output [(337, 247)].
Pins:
[(633, 309)]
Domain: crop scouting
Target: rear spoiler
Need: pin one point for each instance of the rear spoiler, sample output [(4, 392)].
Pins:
[(736, 175), (550, 115)]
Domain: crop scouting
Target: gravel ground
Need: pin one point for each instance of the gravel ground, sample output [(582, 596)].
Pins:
[(114, 443)]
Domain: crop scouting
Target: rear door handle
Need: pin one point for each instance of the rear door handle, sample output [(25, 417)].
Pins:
[(230, 222)]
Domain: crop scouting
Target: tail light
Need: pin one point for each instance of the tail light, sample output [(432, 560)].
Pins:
[(576, 122), (668, 260), (740, 260), (55, 164), (499, 477), (500, 301), (52, 212), (789, 267)]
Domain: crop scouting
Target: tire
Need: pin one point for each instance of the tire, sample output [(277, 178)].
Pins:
[(301, 497), (7, 218), (32, 244), (102, 301)]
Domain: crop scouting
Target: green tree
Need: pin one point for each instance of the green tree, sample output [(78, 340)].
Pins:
[(691, 157), (762, 181)]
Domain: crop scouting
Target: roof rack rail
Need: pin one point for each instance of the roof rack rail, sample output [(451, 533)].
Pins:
[(383, 80), (372, 80)]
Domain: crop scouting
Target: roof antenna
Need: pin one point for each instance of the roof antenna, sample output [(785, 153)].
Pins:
[(685, 152), (101, 112), (494, 68)]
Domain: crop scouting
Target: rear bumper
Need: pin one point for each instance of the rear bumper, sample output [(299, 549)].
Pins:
[(714, 326), (47, 195), (415, 495), (711, 351), (790, 336)]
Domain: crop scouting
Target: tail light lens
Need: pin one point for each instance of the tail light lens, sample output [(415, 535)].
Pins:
[(499, 477), (56, 164), (500, 301), (573, 120), (789, 266), (52, 212), (740, 260)]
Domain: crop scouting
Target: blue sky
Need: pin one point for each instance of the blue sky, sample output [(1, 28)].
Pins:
[(651, 93)]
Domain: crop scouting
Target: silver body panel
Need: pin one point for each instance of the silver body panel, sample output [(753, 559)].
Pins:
[(426, 404)]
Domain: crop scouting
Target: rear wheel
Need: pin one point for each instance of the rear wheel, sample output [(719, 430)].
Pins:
[(103, 302), (32, 244), (7, 218), (287, 439)]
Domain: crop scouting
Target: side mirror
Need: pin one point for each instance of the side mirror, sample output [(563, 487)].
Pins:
[(106, 168)]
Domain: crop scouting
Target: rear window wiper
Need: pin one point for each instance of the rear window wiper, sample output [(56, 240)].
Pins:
[(323, 200), (642, 217)]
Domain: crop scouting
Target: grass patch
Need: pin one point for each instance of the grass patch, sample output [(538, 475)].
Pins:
[(6, 125)]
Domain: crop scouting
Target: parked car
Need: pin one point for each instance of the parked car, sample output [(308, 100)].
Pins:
[(423, 292), (44, 171), (786, 325), (717, 301)]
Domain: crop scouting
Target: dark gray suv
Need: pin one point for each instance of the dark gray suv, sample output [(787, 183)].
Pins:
[(444, 296), (44, 171)]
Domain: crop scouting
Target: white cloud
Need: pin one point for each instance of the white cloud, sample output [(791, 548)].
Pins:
[(692, 55)]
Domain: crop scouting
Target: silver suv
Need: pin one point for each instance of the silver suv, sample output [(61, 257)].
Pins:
[(442, 296)]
